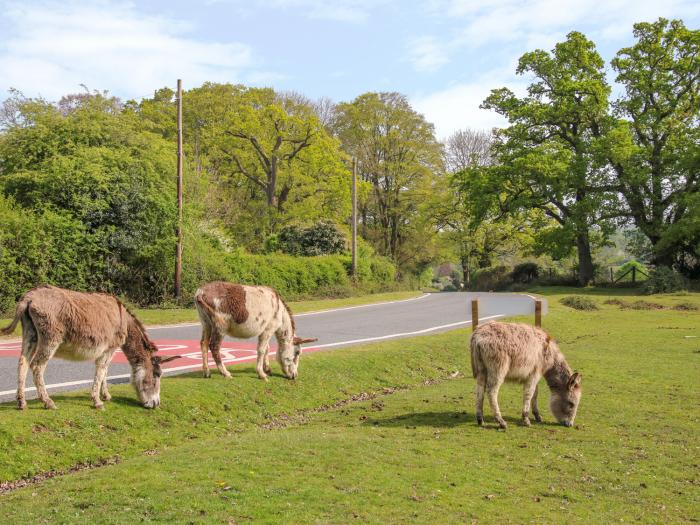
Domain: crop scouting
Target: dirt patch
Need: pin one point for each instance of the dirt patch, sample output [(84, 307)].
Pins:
[(9, 486), (686, 307), (616, 302), (644, 305)]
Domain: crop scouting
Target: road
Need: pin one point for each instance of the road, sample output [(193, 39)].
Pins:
[(423, 315)]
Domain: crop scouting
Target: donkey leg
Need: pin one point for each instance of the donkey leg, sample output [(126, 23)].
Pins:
[(101, 366), (263, 349), (22, 369), (528, 392), (480, 387), (38, 365), (104, 391), (266, 361), (29, 340), (535, 410), (215, 347), (204, 346), (493, 385)]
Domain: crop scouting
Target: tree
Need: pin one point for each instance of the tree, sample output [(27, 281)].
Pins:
[(547, 156), (655, 146), (467, 148), (399, 156)]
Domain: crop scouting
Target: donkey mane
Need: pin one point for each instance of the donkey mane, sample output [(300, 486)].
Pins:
[(139, 325), (289, 311)]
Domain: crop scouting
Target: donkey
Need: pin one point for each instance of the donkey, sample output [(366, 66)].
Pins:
[(522, 353), (248, 311), (80, 327)]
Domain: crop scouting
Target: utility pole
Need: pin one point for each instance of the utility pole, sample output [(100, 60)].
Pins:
[(354, 218), (178, 253)]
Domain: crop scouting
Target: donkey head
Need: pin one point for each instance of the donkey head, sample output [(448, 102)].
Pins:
[(564, 401), (288, 356)]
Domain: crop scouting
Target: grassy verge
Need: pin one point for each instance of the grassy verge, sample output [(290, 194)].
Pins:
[(163, 316), (243, 450)]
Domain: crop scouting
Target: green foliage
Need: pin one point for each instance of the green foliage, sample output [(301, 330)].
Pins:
[(579, 302), (664, 280), (494, 279), (622, 270), (525, 272), (323, 238)]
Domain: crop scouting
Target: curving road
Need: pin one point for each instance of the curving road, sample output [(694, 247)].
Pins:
[(424, 315)]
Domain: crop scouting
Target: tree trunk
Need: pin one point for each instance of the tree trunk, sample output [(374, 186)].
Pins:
[(466, 276), (585, 260)]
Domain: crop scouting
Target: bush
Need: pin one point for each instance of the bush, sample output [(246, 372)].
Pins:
[(663, 280), (496, 278), (627, 267), (579, 302), (525, 272), (323, 238)]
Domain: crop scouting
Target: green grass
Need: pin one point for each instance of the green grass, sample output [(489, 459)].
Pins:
[(246, 451), (164, 316)]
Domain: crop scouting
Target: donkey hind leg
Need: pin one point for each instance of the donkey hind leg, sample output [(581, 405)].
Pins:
[(480, 387), (215, 347), (266, 360), (204, 346), (263, 349), (101, 366), (29, 340), (535, 409), (44, 352), (493, 385), (528, 393)]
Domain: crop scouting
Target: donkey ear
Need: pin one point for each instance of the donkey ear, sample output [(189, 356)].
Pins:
[(300, 341), (162, 360), (574, 380)]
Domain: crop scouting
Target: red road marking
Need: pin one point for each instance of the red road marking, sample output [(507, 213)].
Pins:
[(189, 350)]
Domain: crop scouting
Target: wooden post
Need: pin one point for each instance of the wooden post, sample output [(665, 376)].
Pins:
[(475, 313), (178, 251), (634, 274), (354, 218), (612, 278), (538, 313)]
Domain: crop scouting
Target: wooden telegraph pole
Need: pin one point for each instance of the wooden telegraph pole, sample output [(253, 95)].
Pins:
[(354, 218), (178, 253)]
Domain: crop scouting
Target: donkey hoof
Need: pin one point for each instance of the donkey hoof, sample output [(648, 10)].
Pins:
[(480, 420), (526, 421), (502, 425), (22, 405), (227, 375), (538, 418), (99, 406), (50, 405), (206, 374), (106, 397)]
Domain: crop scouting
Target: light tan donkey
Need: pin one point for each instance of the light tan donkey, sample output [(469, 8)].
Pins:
[(522, 353), (83, 327), (247, 311)]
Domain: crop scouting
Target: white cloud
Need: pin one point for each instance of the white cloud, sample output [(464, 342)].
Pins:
[(54, 47), (427, 54), (457, 107), (336, 10)]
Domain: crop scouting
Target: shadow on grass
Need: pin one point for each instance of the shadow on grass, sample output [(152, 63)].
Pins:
[(448, 419)]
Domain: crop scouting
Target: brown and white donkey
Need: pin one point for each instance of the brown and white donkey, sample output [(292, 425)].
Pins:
[(248, 311)]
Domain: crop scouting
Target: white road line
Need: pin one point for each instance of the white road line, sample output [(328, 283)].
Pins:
[(253, 357), (318, 312)]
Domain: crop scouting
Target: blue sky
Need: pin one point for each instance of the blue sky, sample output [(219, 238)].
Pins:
[(445, 55)]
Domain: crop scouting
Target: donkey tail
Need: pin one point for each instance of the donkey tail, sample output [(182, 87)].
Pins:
[(21, 307), (206, 311), (474, 350)]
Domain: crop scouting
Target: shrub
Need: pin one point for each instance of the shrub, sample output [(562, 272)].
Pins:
[(323, 238), (495, 278), (579, 302), (622, 270), (663, 280), (525, 272), (686, 307)]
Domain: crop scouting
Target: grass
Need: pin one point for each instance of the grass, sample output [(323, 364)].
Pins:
[(579, 302), (164, 316), (318, 450)]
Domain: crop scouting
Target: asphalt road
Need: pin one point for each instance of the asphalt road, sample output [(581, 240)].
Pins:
[(424, 315)]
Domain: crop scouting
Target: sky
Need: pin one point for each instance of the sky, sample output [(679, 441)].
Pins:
[(444, 55)]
